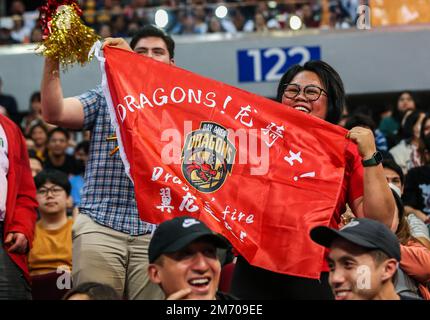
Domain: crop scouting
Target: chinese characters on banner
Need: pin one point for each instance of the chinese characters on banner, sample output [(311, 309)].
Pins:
[(256, 171)]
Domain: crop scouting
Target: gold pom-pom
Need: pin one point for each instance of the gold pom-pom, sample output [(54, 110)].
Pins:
[(69, 40)]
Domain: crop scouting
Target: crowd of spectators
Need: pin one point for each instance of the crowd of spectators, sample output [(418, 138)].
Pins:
[(402, 134), (122, 18), (58, 158), (50, 147)]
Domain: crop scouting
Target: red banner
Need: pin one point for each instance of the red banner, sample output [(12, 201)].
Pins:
[(254, 170)]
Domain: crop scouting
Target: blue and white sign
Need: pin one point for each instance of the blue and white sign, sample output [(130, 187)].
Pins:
[(269, 64)]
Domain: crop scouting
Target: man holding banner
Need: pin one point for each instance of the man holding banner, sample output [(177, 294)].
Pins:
[(110, 241)]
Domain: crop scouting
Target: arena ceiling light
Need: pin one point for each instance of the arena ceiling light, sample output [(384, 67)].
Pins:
[(295, 22), (272, 4), (221, 12), (161, 18)]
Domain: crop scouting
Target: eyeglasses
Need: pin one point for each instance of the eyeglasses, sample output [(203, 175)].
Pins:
[(54, 190), (311, 92)]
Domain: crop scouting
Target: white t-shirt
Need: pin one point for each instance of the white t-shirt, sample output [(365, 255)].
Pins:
[(4, 169)]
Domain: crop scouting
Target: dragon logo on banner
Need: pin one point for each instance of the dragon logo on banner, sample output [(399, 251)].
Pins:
[(207, 157)]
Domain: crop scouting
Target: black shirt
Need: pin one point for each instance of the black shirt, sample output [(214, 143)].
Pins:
[(417, 189), (69, 165)]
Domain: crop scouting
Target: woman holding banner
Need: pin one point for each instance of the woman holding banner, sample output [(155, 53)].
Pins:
[(317, 89)]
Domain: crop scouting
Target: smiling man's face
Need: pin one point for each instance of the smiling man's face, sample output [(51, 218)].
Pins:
[(354, 275), (195, 267)]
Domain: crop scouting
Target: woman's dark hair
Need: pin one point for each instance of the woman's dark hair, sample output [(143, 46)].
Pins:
[(53, 176), (407, 131), (425, 139), (38, 124), (94, 291), (397, 114), (422, 135), (392, 165), (331, 81), (408, 123), (65, 132), (360, 120), (35, 96), (84, 145), (426, 118), (403, 232)]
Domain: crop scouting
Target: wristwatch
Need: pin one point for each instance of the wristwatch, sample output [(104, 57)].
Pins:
[(374, 161)]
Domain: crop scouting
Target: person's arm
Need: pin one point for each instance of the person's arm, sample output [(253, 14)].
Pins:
[(21, 231), (377, 201), (421, 215), (16, 242), (69, 112)]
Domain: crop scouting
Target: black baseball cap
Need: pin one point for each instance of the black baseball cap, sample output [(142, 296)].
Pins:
[(366, 233), (177, 233)]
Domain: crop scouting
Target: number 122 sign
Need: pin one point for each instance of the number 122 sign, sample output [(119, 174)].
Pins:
[(261, 65)]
